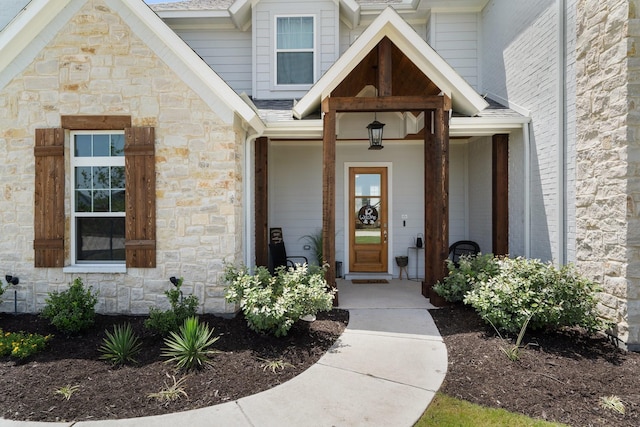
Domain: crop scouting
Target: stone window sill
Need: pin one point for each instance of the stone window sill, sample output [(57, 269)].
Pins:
[(92, 268)]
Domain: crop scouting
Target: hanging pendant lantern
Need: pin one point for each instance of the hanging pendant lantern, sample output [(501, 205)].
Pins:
[(375, 135)]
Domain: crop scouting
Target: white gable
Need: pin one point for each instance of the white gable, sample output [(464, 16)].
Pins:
[(389, 24)]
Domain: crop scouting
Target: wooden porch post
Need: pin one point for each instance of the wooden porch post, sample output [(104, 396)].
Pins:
[(329, 195), (261, 201), (442, 138), (436, 197), (500, 194)]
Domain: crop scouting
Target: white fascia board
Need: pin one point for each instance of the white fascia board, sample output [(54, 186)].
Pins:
[(304, 129), (25, 27), (485, 126), (240, 12), (181, 14), (178, 56), (350, 13), (458, 126), (465, 99)]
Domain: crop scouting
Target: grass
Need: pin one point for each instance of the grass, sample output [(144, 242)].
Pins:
[(446, 411)]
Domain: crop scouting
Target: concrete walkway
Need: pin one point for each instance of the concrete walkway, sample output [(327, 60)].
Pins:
[(383, 371)]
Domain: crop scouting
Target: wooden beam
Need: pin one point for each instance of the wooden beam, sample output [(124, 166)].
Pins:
[(385, 67), (329, 197), (261, 190), (390, 103), (95, 122), (500, 194)]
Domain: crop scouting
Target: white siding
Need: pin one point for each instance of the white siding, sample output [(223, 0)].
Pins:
[(516, 194), (458, 186), (480, 210), (455, 38), (9, 10), (228, 53), (326, 41), (295, 194), (521, 64)]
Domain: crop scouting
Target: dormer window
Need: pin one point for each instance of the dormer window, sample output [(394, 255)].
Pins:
[(295, 50)]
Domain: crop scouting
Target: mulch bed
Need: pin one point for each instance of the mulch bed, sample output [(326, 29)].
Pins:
[(559, 377), (27, 390)]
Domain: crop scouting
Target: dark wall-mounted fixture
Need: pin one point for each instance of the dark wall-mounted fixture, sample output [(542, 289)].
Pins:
[(12, 280), (173, 280)]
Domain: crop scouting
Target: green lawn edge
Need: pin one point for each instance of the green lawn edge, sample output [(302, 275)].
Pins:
[(446, 411)]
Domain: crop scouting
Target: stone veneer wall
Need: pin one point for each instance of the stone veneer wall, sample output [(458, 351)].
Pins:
[(98, 65), (608, 157)]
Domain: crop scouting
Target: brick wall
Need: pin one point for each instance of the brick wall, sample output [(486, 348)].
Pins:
[(97, 65), (520, 65)]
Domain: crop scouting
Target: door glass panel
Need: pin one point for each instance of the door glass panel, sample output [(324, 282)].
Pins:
[(367, 184), (367, 209)]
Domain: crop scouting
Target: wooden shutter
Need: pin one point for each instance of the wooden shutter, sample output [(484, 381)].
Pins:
[(48, 242), (140, 198)]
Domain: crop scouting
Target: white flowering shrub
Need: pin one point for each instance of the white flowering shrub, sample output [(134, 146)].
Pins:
[(471, 270), (271, 304), (528, 290)]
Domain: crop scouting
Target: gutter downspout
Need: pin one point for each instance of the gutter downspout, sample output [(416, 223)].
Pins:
[(562, 134), (248, 206), (527, 189)]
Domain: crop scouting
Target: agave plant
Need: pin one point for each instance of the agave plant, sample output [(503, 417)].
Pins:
[(121, 346), (188, 347)]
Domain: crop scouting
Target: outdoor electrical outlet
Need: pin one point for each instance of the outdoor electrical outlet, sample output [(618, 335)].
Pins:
[(307, 247)]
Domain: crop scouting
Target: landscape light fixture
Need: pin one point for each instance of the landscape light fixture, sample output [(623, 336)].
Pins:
[(12, 280)]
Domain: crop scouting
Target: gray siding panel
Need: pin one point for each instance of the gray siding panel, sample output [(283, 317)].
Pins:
[(228, 53), (326, 16), (455, 38)]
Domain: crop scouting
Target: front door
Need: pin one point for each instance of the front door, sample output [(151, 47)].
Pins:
[(368, 219)]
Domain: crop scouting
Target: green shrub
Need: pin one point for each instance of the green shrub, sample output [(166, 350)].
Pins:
[(188, 347), (554, 297), (71, 311), (271, 304), (121, 346), (21, 345), (164, 322), (471, 270)]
